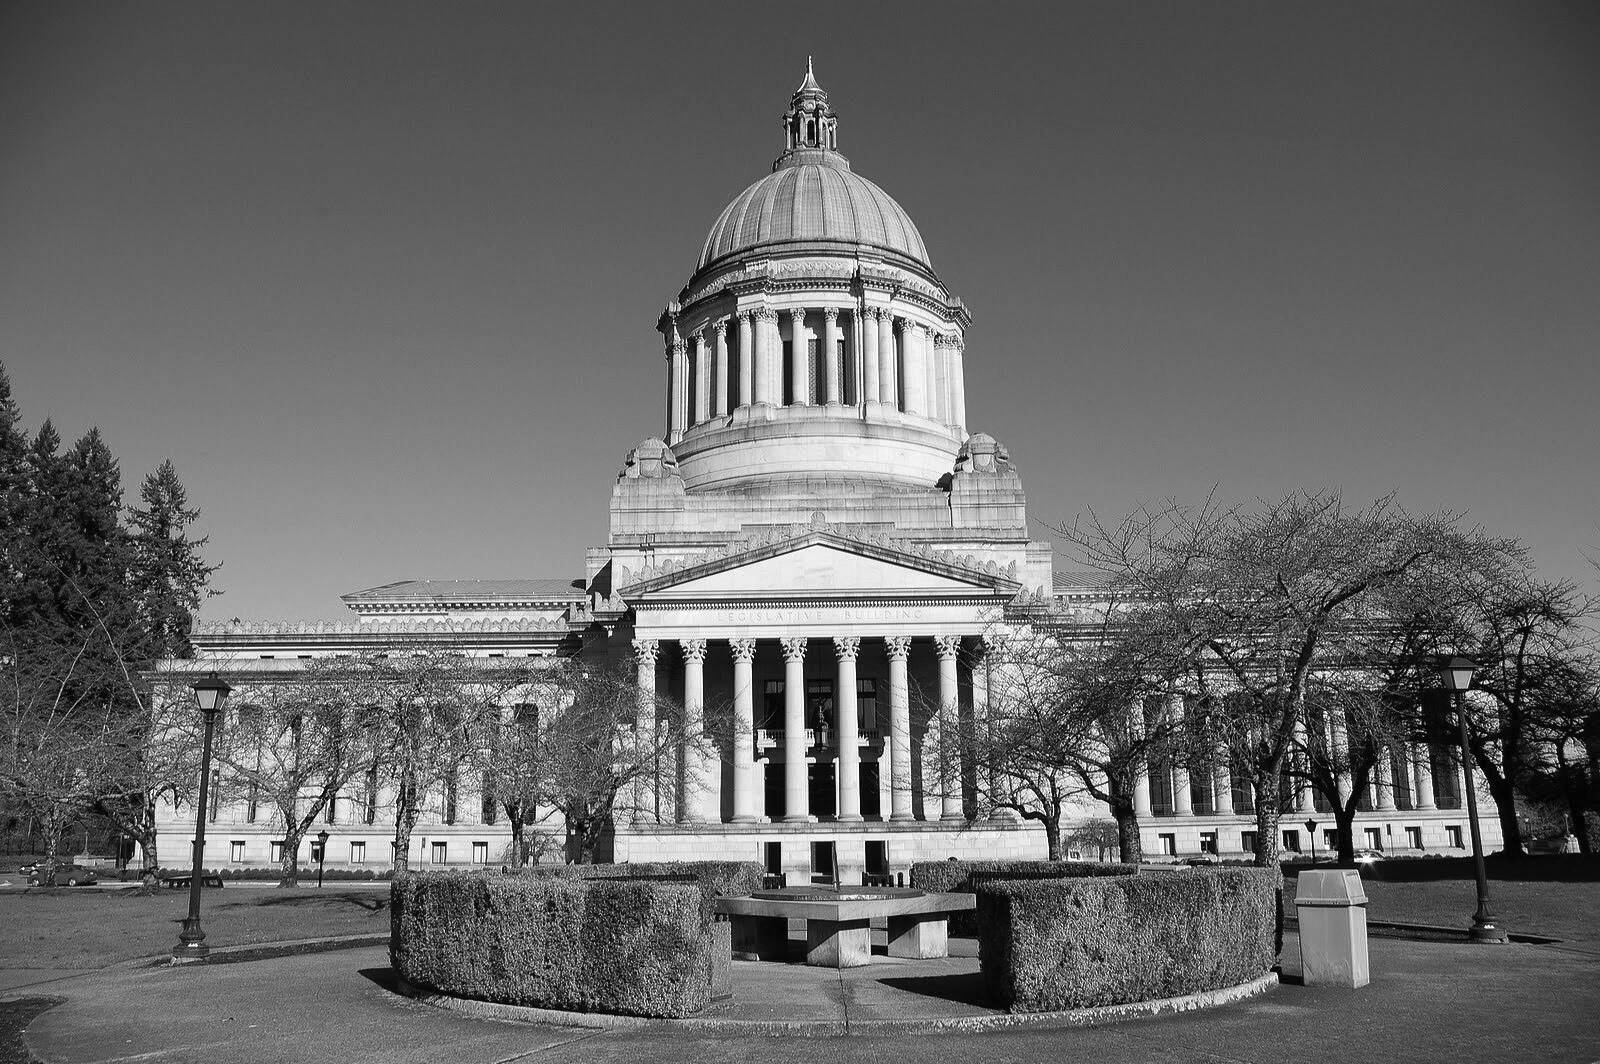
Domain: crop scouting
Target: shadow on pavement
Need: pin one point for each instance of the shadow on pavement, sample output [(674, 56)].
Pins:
[(384, 977), (967, 988), (371, 905)]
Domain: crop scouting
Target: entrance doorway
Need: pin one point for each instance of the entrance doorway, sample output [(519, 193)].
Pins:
[(822, 794)]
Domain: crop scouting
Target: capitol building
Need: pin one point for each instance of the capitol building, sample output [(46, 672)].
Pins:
[(819, 540)]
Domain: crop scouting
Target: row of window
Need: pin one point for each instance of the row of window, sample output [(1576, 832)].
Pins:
[(1371, 839), (438, 851)]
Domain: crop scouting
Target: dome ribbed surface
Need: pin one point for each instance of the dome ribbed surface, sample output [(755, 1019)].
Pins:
[(814, 202)]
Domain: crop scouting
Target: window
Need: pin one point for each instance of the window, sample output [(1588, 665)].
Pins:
[(1247, 841), (358, 852), (1374, 838), (819, 704), (1168, 844), (491, 808), (370, 812), (316, 852), (1208, 842), (1414, 837), (331, 813), (216, 796), (772, 706), (1330, 838), (236, 851), (252, 807), (450, 796), (867, 704), (1452, 835), (480, 853), (772, 856), (277, 851), (441, 853), (1291, 841)]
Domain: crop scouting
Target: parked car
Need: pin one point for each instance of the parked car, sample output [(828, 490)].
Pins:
[(1203, 860), (1368, 856), (70, 875)]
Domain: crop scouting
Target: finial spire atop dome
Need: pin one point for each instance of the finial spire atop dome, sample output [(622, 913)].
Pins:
[(809, 125)]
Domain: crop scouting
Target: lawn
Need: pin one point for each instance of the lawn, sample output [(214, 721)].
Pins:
[(67, 928), (1569, 911)]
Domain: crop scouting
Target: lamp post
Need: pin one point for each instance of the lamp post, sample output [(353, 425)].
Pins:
[(322, 854), (209, 695), (1457, 676), (1311, 832)]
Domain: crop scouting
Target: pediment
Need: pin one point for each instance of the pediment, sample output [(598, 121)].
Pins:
[(825, 565)]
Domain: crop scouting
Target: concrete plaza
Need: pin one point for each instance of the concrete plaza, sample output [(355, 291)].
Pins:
[(1428, 1001)]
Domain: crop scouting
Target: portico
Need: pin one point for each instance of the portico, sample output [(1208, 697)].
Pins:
[(843, 692)]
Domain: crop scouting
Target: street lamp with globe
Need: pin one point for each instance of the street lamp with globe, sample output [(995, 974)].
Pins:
[(209, 695), (1456, 672)]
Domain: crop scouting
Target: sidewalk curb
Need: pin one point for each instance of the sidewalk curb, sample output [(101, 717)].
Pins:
[(1434, 932), (1068, 1018)]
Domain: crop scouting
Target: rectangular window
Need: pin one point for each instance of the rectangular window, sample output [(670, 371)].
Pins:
[(216, 796), (867, 704), (277, 852), (772, 856), (358, 852), (1208, 842), (441, 853), (491, 808), (1291, 841), (772, 706), (252, 807), (316, 852), (370, 813), (878, 859), (331, 813), (1247, 841), (1330, 838), (815, 386), (822, 862), (1452, 834), (480, 853), (819, 704), (1374, 838), (450, 796), (1414, 837), (1169, 844), (236, 851)]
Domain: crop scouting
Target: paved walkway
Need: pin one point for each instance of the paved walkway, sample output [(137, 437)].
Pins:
[(1429, 1001)]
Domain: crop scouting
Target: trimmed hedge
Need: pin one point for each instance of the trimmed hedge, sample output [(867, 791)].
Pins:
[(623, 946), (941, 877), (1056, 944)]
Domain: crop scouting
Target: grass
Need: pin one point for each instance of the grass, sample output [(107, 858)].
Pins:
[(1564, 910), (65, 928)]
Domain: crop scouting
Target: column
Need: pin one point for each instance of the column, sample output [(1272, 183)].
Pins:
[(746, 360), (699, 786), (930, 374), (915, 379), (846, 647), (1422, 762), (1182, 803), (950, 785), (888, 373), (680, 390), (800, 362), (1302, 784), (830, 354), (939, 366), (767, 355), (867, 326), (1222, 785), (899, 648), (958, 383), (1339, 747), (720, 400), (796, 780), (744, 731), (702, 379), (646, 793), (1383, 777), (1141, 783)]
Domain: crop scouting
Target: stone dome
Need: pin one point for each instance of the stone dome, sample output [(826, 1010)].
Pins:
[(814, 198)]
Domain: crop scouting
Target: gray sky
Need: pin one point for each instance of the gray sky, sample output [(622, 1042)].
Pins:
[(382, 278)]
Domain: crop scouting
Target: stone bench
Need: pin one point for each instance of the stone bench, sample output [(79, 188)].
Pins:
[(839, 929)]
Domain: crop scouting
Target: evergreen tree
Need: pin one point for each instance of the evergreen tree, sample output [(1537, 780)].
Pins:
[(168, 576)]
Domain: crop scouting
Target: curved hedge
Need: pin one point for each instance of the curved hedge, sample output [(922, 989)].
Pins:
[(642, 948), (1049, 944), (940, 877)]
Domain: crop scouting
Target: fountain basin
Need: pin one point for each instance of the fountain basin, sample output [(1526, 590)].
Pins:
[(839, 922)]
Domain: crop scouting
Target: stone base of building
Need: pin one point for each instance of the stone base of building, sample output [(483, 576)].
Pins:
[(830, 851)]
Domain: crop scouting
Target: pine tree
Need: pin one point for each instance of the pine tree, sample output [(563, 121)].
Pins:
[(168, 577)]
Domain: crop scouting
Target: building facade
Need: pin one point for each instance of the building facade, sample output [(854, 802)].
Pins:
[(818, 541)]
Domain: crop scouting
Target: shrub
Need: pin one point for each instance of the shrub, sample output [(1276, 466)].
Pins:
[(1073, 943), (589, 945), (716, 879), (940, 877)]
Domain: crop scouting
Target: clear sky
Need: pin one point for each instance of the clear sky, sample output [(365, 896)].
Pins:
[(382, 278)]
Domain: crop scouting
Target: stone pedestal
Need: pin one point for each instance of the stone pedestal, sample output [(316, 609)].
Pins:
[(841, 944), (919, 936)]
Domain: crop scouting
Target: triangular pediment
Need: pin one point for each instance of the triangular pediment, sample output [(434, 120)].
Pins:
[(828, 565)]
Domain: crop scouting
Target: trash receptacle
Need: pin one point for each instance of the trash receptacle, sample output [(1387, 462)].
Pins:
[(1332, 908)]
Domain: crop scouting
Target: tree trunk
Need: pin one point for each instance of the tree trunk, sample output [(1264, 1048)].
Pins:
[(519, 847), (1130, 850), (1268, 816), (289, 864), (1505, 803), (1344, 832), (52, 852), (404, 825)]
